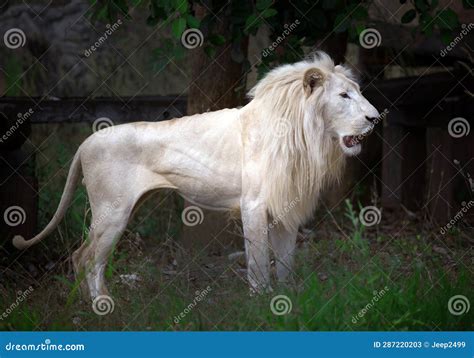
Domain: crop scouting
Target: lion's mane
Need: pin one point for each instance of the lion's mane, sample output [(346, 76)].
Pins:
[(299, 157)]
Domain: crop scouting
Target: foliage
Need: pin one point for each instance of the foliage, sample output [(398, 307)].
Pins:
[(432, 17), (246, 17), (317, 20)]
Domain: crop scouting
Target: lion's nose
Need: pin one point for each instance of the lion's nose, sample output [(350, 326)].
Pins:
[(371, 119)]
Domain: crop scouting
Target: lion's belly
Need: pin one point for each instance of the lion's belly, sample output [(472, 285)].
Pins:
[(211, 196)]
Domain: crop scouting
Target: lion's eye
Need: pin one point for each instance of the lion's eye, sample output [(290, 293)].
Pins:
[(344, 95)]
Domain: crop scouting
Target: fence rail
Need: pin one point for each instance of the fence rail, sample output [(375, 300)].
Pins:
[(87, 109)]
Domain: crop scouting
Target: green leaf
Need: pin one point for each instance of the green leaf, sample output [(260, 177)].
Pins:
[(102, 13), (409, 16), (179, 52), (268, 13), (426, 23), (181, 6), (178, 26), (251, 22), (263, 4), (210, 51), (192, 21), (447, 19), (359, 28), (217, 40), (446, 36)]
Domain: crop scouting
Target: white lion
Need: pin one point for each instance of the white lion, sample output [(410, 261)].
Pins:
[(269, 159)]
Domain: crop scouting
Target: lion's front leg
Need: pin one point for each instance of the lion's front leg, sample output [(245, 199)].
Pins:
[(283, 244), (254, 219)]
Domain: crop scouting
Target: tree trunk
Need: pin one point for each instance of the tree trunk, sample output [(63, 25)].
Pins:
[(217, 83)]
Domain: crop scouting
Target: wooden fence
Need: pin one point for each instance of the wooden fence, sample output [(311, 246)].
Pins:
[(418, 168)]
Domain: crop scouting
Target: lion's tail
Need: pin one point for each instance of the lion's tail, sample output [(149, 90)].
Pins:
[(74, 173)]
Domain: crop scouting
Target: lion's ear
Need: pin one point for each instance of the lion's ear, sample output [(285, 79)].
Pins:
[(312, 78)]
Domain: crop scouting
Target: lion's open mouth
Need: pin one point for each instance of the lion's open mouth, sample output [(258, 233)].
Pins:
[(350, 140)]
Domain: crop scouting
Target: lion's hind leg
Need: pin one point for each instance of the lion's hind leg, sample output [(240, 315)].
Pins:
[(90, 259), (113, 200), (107, 226)]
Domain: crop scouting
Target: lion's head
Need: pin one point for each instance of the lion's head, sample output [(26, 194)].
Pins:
[(324, 96), (348, 116)]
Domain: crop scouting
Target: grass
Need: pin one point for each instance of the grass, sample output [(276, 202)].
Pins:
[(398, 275), (413, 301)]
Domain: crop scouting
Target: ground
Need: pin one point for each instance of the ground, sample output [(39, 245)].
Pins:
[(397, 275)]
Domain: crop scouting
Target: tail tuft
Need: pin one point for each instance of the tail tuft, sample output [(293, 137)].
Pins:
[(19, 242)]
